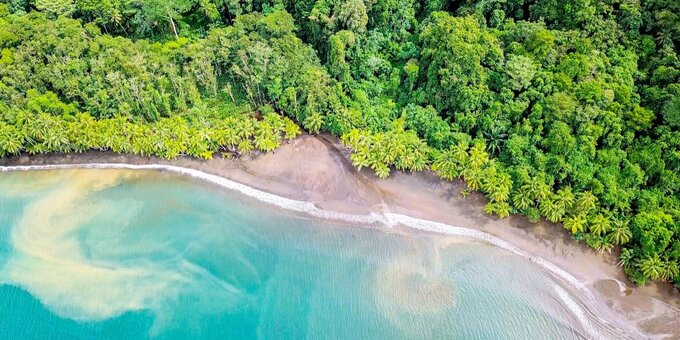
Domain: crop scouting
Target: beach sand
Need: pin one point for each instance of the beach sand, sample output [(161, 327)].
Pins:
[(318, 170)]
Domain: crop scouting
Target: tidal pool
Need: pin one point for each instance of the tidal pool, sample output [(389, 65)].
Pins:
[(137, 254)]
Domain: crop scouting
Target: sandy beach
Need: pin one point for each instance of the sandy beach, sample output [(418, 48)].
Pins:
[(317, 170)]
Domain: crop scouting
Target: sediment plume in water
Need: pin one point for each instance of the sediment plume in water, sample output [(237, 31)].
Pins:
[(406, 286), (49, 260)]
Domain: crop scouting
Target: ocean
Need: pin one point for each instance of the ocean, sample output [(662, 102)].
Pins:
[(137, 254)]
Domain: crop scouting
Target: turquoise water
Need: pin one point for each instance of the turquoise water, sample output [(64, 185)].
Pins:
[(88, 254)]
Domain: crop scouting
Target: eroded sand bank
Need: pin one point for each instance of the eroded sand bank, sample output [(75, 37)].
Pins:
[(317, 170)]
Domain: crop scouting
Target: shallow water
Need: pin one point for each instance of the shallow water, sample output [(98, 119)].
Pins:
[(138, 254)]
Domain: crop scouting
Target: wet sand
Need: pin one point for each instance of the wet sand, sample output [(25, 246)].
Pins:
[(317, 170)]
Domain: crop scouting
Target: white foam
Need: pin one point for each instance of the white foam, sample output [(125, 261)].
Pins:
[(388, 219)]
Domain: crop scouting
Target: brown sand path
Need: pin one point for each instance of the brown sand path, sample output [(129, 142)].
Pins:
[(317, 169)]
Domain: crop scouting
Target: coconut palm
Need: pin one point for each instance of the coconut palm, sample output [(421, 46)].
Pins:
[(550, 210), (230, 136), (501, 192), (420, 161), (313, 122), (290, 129), (627, 258), (352, 138), (522, 198), (56, 137), (89, 131), (600, 224), (575, 223), (564, 198), (605, 245), (496, 137), (586, 202), (478, 156), (473, 177), (245, 146), (267, 143), (538, 189), (445, 165), (360, 158), (620, 233), (38, 127), (501, 209), (460, 153), (275, 121), (395, 147), (653, 267), (11, 141), (381, 170), (244, 127), (670, 271)]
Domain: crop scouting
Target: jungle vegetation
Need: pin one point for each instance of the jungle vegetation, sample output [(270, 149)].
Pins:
[(563, 110)]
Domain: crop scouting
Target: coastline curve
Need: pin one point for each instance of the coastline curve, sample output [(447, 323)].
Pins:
[(596, 327)]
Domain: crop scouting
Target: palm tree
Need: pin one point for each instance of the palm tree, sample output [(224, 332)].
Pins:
[(600, 224), (620, 234), (550, 210), (502, 194), (56, 136), (460, 153), (381, 170), (671, 270), (290, 129), (478, 155), (313, 122), (89, 131), (37, 127), (420, 161), (244, 127), (496, 137), (245, 146), (501, 209), (11, 141), (445, 165), (653, 267), (564, 198), (522, 198), (352, 138), (265, 142), (575, 223), (496, 185), (627, 258), (360, 158), (605, 245), (405, 161), (473, 177), (276, 121), (586, 202), (230, 136), (394, 147), (538, 189)]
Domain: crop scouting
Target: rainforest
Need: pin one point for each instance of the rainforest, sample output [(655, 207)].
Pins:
[(561, 110)]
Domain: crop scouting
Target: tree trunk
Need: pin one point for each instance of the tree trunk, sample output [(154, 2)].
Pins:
[(174, 28)]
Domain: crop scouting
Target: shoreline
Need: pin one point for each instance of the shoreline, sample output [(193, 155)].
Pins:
[(313, 176)]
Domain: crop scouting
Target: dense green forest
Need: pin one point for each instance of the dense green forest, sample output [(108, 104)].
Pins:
[(564, 110)]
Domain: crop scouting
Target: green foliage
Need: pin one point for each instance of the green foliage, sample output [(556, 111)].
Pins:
[(165, 138), (459, 54), (396, 147), (55, 7)]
